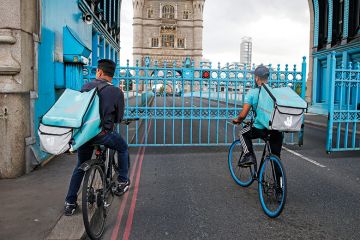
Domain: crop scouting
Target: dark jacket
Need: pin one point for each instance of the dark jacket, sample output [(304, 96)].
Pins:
[(111, 103)]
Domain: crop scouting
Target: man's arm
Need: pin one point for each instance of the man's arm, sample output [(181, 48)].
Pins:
[(242, 115), (120, 107)]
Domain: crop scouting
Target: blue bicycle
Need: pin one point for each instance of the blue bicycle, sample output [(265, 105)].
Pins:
[(270, 175)]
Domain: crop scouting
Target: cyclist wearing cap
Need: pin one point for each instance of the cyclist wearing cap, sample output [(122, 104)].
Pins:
[(257, 130)]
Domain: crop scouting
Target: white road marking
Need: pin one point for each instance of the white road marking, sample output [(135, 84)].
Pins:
[(305, 158)]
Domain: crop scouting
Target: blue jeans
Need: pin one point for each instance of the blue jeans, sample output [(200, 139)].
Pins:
[(110, 140)]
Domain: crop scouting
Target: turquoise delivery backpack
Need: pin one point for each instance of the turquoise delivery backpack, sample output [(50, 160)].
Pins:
[(280, 109), (72, 121)]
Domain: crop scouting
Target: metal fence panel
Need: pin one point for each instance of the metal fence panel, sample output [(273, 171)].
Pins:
[(187, 105), (344, 107)]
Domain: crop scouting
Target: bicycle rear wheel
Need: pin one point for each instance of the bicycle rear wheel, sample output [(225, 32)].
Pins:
[(272, 186), (94, 212), (241, 175)]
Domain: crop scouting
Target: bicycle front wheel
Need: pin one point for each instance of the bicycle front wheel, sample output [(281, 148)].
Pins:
[(241, 175), (272, 186), (94, 212)]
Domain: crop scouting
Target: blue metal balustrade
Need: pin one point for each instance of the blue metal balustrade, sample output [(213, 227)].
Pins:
[(187, 105), (344, 107)]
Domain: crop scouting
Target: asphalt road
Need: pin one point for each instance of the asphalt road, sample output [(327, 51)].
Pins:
[(188, 193)]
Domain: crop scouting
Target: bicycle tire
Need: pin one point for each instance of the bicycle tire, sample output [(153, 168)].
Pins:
[(94, 212), (272, 190), (241, 175)]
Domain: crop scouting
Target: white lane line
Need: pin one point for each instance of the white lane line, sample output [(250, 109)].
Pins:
[(305, 158)]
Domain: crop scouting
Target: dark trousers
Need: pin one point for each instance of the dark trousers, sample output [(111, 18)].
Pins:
[(249, 133), (276, 138), (110, 140)]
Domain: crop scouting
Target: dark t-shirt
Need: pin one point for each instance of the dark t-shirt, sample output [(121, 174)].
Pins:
[(111, 103)]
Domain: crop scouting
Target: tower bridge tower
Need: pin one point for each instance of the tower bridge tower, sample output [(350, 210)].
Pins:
[(168, 30)]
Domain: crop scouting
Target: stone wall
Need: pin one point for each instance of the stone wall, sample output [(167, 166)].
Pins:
[(17, 27)]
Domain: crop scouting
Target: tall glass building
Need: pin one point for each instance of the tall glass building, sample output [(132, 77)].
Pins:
[(246, 51)]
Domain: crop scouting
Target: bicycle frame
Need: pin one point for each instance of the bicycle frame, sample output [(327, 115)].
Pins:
[(267, 150)]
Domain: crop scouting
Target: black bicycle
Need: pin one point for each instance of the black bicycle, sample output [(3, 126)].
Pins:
[(272, 186), (98, 188)]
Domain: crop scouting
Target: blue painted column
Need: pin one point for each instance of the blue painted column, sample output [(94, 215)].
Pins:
[(73, 75), (102, 47), (95, 43), (346, 20), (331, 101), (303, 73), (303, 90), (326, 78), (112, 56), (315, 80), (117, 57), (316, 24), (107, 50), (345, 62), (330, 22)]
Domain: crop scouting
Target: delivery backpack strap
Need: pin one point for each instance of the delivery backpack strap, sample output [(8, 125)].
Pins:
[(253, 108), (99, 88)]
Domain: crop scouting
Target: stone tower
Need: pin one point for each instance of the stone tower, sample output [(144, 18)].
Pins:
[(168, 30)]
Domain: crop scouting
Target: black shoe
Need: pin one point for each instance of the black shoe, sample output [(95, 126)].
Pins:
[(248, 160), (122, 187), (70, 208)]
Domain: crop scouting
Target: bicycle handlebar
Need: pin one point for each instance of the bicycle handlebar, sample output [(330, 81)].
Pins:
[(247, 123)]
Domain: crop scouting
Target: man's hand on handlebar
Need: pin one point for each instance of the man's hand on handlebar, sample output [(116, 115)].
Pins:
[(237, 121)]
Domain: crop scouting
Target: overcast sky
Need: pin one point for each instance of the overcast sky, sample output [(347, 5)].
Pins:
[(279, 30)]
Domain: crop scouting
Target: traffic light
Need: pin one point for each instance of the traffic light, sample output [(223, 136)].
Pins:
[(206, 74)]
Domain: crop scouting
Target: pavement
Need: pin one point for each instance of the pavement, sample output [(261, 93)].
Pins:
[(316, 120), (31, 206)]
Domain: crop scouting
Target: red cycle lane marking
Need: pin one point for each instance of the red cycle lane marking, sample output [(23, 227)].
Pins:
[(134, 199), (123, 203), (115, 231)]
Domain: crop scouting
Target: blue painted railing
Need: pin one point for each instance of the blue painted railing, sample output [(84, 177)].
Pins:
[(187, 105), (344, 107)]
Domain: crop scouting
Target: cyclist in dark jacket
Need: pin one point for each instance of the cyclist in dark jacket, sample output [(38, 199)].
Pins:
[(111, 112)]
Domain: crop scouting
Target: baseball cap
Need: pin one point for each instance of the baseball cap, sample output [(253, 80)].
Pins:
[(262, 71)]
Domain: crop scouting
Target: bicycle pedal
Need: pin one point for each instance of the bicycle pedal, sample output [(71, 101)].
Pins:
[(106, 205)]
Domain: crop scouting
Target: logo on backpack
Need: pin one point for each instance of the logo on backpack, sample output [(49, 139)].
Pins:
[(50, 141), (288, 121)]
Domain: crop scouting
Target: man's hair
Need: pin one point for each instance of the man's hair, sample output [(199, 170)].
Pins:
[(107, 66)]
